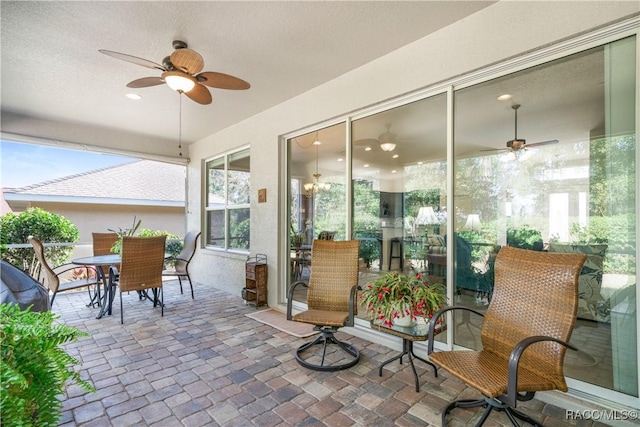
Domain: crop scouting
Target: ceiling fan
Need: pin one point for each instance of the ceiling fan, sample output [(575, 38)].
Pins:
[(182, 72), (386, 140), (516, 144)]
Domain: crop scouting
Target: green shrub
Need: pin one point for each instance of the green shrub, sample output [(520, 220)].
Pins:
[(33, 368), (45, 226), (174, 243)]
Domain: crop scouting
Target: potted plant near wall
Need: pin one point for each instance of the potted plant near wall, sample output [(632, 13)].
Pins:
[(395, 298)]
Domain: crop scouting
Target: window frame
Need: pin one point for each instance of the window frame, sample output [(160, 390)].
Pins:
[(227, 207)]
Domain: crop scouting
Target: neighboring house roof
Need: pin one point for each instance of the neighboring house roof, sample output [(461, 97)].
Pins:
[(142, 182), (4, 206)]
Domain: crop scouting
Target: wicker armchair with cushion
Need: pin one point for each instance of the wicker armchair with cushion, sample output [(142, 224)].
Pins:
[(53, 274), (181, 268), (525, 332), (331, 303), (140, 269)]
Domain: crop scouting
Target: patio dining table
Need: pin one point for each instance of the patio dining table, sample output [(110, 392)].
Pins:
[(102, 261), (111, 260)]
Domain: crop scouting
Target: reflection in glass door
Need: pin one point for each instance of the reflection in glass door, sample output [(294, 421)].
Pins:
[(399, 190), (317, 195), (569, 188)]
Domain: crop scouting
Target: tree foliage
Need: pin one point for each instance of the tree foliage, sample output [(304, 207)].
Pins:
[(45, 226)]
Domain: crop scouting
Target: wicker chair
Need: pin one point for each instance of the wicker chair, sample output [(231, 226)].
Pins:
[(183, 259), (525, 333), (326, 235), (140, 269), (102, 244), (331, 302), (52, 274)]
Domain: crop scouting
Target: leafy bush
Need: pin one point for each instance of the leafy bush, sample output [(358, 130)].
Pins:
[(45, 226), (174, 243), (33, 369), (525, 237)]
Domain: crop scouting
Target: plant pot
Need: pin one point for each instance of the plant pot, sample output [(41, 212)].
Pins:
[(405, 321)]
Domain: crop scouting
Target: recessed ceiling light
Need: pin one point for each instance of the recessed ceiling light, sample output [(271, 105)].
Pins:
[(133, 96), (395, 156), (366, 165), (394, 171), (340, 159), (367, 149), (316, 142), (419, 163), (504, 97)]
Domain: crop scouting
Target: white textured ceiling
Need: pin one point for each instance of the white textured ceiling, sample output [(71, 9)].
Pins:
[(51, 67)]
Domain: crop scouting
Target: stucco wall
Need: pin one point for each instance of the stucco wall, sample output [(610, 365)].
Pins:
[(89, 218), (499, 32)]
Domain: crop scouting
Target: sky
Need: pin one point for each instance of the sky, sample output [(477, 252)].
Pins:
[(26, 164)]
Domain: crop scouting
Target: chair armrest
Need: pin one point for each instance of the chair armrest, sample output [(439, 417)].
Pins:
[(353, 295), (514, 359), (63, 268), (290, 297), (436, 316)]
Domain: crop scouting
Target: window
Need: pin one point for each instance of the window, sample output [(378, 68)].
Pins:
[(227, 210)]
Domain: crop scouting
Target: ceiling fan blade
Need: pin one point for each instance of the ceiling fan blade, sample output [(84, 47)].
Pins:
[(133, 59), (187, 60), (146, 82), (222, 81), (366, 141), (200, 94), (552, 141), (495, 149)]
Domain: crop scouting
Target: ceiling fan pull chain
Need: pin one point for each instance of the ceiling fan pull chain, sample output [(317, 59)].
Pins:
[(515, 107), (180, 125)]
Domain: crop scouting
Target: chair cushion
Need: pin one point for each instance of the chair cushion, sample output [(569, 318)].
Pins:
[(322, 317), (436, 240), (487, 372), (590, 280)]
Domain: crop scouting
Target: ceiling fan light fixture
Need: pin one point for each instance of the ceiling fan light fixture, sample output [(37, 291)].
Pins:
[(388, 146), (179, 81)]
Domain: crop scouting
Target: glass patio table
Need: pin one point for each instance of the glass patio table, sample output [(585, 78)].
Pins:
[(419, 331), (102, 261)]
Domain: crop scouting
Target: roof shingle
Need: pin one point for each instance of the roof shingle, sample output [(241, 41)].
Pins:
[(137, 180)]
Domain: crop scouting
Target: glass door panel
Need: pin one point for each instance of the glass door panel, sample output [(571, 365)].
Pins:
[(569, 188), (399, 190), (317, 195)]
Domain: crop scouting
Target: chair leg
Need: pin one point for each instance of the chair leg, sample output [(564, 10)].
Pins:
[(327, 337), (180, 281), (489, 405), (191, 285), (52, 298), (121, 311)]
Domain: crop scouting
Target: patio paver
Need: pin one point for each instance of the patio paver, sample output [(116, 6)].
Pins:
[(206, 364)]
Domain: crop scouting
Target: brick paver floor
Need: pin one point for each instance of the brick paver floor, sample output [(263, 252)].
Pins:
[(206, 364)]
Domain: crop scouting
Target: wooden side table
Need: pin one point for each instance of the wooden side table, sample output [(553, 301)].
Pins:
[(409, 334), (255, 291)]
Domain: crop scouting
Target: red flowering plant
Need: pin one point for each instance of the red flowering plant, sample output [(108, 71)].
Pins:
[(393, 295)]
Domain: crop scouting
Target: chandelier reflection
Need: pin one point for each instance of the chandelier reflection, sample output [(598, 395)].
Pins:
[(311, 188)]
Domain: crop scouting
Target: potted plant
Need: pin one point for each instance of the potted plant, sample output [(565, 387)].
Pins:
[(394, 297), (34, 369)]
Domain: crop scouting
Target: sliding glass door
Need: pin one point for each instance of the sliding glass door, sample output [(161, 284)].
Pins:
[(569, 188), (542, 159)]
